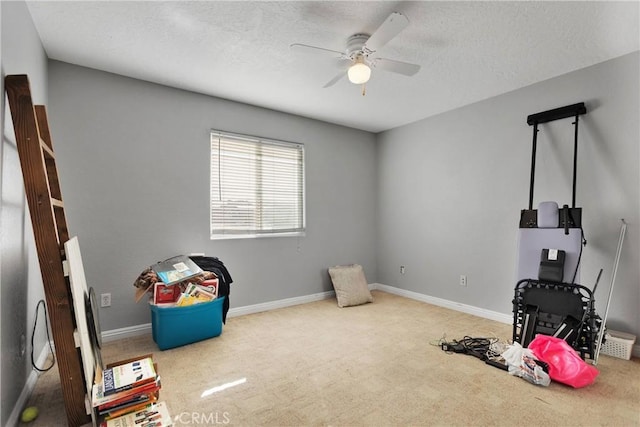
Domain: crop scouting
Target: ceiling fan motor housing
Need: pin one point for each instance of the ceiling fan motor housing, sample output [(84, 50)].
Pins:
[(355, 46)]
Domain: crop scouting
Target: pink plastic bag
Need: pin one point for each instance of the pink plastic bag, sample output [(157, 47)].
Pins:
[(565, 365)]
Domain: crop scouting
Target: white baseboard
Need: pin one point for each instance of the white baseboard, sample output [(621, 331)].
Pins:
[(272, 305), (464, 308), (469, 309), (129, 331), (25, 394), (115, 334), (132, 331)]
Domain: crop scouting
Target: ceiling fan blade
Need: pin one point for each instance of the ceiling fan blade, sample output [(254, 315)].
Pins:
[(342, 63), (391, 27), (335, 79), (313, 50), (399, 67)]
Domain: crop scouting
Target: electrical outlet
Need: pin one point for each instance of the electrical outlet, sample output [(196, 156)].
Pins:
[(402, 269), (105, 300), (463, 280)]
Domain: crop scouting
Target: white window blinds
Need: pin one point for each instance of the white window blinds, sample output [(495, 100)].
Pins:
[(257, 186)]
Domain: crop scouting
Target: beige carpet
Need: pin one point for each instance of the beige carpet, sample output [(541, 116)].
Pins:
[(373, 365)]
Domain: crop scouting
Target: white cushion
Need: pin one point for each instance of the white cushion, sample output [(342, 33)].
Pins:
[(350, 285), (548, 215)]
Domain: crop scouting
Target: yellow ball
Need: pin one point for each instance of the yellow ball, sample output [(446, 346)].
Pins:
[(29, 414)]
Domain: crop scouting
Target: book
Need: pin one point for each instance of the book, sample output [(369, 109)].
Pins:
[(105, 402), (194, 294), (176, 269), (131, 406), (150, 415), (128, 375), (211, 286), (163, 293), (139, 401), (100, 401)]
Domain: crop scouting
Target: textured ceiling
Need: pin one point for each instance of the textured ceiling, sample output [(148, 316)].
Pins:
[(239, 50)]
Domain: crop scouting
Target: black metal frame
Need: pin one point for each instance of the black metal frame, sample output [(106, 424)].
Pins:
[(571, 217), (534, 120), (553, 303)]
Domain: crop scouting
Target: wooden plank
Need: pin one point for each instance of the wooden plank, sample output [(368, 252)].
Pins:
[(45, 147), (52, 174), (61, 231), (43, 125), (57, 293)]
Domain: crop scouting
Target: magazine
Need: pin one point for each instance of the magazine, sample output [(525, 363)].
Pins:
[(128, 375), (176, 269)]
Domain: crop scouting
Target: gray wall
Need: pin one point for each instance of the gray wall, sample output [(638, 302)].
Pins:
[(20, 279), (451, 187), (133, 160)]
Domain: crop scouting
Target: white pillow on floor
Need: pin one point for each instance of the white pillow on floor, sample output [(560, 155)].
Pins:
[(350, 285)]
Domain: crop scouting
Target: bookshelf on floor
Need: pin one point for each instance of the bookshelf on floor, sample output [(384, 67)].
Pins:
[(79, 361)]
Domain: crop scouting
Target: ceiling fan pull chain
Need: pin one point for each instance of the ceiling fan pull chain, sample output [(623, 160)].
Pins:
[(364, 89)]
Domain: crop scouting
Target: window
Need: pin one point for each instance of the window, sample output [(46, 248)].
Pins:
[(257, 187)]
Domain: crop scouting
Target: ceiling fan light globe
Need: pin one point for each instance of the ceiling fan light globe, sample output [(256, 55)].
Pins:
[(359, 73)]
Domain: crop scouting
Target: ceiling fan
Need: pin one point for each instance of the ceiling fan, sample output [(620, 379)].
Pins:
[(360, 56)]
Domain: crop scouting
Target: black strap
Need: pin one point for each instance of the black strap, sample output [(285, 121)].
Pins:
[(33, 333)]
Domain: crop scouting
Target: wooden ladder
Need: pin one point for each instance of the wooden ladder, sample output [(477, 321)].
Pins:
[(44, 197)]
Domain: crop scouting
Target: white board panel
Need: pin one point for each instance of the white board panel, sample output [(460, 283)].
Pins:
[(79, 293)]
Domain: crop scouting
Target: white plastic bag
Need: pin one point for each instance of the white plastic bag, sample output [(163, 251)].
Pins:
[(522, 363)]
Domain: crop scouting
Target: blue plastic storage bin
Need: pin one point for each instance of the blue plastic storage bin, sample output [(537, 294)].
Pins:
[(176, 326)]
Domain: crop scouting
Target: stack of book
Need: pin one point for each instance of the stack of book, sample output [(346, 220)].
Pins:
[(154, 415), (173, 295), (194, 294), (128, 394)]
